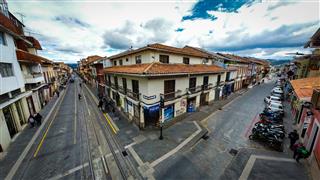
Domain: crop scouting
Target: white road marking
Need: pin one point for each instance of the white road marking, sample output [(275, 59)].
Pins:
[(70, 171), (176, 149), (247, 169), (28, 147)]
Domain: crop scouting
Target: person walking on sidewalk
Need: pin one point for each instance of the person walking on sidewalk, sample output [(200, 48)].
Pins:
[(79, 96), (300, 152), (58, 93), (31, 121), (38, 119), (100, 104), (293, 136)]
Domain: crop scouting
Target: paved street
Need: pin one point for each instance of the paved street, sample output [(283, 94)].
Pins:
[(229, 128), (75, 143)]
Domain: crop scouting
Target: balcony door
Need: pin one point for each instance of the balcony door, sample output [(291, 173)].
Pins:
[(135, 88), (124, 84), (205, 81), (169, 89), (192, 84)]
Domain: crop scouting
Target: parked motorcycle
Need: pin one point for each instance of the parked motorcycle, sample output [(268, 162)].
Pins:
[(278, 131), (273, 118), (270, 139)]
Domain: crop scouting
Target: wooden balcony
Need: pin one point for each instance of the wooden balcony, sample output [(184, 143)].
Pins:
[(122, 90), (207, 87), (192, 90), (133, 95), (171, 96)]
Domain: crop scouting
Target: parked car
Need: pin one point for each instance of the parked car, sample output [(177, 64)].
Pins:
[(280, 95), (268, 99), (276, 108), (277, 88), (279, 91)]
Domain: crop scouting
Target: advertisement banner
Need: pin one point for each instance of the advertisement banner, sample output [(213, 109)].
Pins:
[(168, 113)]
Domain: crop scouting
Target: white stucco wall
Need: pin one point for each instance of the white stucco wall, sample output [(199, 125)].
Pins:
[(8, 55), (4, 133), (153, 56)]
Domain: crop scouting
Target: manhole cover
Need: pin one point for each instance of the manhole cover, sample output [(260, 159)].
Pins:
[(233, 152)]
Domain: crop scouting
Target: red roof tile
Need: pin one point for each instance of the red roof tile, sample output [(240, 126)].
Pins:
[(160, 68), (304, 87)]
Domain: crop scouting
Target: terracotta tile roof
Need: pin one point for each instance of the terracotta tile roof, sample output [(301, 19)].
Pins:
[(164, 69), (304, 87), (34, 41), (25, 56), (91, 59), (164, 48), (9, 24)]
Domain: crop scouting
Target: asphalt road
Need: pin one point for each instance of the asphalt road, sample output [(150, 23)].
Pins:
[(228, 129), (74, 142)]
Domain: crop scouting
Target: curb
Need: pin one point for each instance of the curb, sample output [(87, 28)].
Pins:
[(24, 153)]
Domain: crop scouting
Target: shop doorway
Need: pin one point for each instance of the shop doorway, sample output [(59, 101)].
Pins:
[(8, 116), (151, 115), (314, 135), (217, 94), (31, 105), (22, 119), (204, 99), (191, 104)]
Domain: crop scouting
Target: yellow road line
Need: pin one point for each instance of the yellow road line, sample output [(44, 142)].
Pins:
[(47, 130), (110, 124), (75, 115)]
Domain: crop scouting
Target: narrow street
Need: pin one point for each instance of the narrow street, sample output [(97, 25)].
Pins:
[(76, 144)]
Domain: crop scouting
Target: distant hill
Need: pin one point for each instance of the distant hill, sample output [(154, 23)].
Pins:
[(275, 62), (73, 65)]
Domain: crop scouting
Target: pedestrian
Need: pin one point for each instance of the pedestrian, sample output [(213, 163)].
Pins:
[(100, 104), (58, 93), (38, 119), (293, 136), (79, 96), (31, 121), (301, 152), (80, 85)]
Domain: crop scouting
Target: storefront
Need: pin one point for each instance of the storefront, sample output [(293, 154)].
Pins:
[(168, 112), (191, 104), (151, 115), (10, 120)]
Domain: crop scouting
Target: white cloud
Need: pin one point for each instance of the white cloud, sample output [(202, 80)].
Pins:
[(111, 25)]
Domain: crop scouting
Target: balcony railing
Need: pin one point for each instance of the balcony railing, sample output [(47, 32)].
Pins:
[(171, 96), (114, 86), (133, 95), (192, 90), (207, 86), (122, 90)]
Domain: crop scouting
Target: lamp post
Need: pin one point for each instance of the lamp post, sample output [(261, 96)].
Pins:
[(161, 137)]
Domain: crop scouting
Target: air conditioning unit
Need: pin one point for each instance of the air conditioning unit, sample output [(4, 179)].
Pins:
[(315, 99)]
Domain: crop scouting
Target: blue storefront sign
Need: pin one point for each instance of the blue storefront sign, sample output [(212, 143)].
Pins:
[(168, 112)]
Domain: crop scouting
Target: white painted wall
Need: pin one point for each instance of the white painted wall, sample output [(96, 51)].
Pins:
[(4, 132), (150, 56), (8, 55)]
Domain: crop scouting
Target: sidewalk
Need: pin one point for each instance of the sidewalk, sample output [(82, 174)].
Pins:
[(18, 145)]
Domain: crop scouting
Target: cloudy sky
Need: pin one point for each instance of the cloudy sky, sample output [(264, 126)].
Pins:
[(69, 30)]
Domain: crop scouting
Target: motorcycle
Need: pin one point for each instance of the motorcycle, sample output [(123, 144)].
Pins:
[(272, 118), (269, 124), (270, 139), (278, 131)]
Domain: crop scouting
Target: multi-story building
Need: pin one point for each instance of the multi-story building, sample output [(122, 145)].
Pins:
[(13, 104), (309, 65), (158, 83)]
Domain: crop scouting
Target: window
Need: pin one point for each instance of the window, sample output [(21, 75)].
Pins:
[(164, 59), (192, 84), (124, 84), (6, 69), (138, 59), (218, 79), (169, 89), (114, 63), (205, 80), (186, 60), (116, 81), (135, 86), (120, 62), (127, 59), (2, 39)]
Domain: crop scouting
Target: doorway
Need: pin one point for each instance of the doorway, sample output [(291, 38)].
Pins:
[(10, 121), (31, 105), (314, 135), (151, 115), (203, 99)]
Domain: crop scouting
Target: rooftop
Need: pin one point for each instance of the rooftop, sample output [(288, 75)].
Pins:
[(157, 68), (304, 87)]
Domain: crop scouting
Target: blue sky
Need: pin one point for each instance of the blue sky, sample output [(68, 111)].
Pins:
[(70, 30)]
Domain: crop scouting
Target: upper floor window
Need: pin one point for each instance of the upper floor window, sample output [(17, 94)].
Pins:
[(138, 59), (218, 79), (114, 63), (164, 59), (120, 62), (6, 69), (127, 59), (186, 60), (2, 39)]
